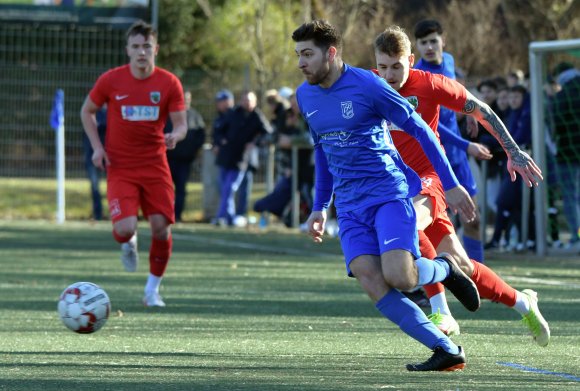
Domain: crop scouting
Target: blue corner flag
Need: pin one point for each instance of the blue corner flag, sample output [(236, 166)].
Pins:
[(57, 112)]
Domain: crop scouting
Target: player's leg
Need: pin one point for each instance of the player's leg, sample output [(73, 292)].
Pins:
[(157, 203), (123, 198), (430, 205), (424, 205), (360, 245), (159, 254), (402, 269), (422, 271), (493, 288), (440, 313), (471, 230)]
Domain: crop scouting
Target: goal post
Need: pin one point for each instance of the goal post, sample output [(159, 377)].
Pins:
[(538, 51)]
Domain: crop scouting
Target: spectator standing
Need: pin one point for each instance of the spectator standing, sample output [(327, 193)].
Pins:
[(92, 172), (236, 139), (278, 201), (510, 192), (184, 154)]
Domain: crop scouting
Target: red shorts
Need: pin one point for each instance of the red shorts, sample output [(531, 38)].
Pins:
[(149, 187), (441, 225)]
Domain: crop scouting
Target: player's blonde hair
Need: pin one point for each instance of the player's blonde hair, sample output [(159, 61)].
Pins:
[(393, 42)]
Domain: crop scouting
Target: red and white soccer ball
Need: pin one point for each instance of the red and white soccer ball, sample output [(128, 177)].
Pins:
[(84, 307)]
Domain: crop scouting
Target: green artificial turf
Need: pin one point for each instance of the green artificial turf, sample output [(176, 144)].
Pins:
[(255, 310)]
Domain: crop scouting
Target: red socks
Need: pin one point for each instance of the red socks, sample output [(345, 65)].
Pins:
[(159, 254), (491, 286)]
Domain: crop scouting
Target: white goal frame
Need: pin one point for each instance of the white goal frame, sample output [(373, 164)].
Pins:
[(537, 72)]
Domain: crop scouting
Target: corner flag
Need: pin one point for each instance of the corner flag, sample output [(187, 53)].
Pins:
[(57, 123), (57, 112)]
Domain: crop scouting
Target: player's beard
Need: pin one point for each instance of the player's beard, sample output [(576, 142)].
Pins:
[(320, 75)]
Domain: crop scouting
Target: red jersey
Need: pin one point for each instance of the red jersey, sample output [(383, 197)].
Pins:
[(136, 114), (426, 92)]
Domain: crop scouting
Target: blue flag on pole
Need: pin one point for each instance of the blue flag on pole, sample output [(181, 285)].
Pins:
[(57, 112)]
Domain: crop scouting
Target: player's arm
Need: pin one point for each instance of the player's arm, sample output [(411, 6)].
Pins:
[(323, 189), (518, 160), (179, 121), (477, 150), (89, 121)]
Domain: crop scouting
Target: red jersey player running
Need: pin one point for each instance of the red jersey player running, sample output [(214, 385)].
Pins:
[(427, 92), (139, 96)]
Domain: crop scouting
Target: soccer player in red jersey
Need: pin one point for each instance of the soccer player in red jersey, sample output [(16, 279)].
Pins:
[(427, 92), (140, 97)]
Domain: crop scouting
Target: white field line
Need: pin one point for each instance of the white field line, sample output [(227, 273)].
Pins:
[(541, 281)]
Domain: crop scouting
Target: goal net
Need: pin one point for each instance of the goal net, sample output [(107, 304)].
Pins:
[(555, 93)]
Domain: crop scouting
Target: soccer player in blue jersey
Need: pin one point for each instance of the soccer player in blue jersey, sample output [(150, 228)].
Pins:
[(430, 41), (347, 110)]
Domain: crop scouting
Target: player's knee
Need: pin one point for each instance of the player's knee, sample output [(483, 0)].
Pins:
[(160, 232), (373, 284), (123, 234), (402, 284), (404, 281)]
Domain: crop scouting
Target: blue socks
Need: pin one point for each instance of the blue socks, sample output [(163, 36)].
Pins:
[(474, 248), (430, 271), (412, 321)]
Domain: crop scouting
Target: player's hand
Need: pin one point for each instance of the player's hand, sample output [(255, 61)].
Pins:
[(471, 128), (171, 140), (316, 223), (100, 158), (523, 164), (479, 151), (459, 201)]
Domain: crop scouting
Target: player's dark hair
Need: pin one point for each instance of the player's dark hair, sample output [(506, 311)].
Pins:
[(487, 83), (141, 28), (321, 32), (393, 42), (426, 27)]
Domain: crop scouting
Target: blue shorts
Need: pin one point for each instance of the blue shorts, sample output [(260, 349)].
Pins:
[(465, 177), (378, 228)]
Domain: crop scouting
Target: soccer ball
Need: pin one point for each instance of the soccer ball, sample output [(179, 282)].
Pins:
[(84, 307)]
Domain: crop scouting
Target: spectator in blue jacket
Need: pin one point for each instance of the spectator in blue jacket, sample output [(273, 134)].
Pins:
[(519, 123)]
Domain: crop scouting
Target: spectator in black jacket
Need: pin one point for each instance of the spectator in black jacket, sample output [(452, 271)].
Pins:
[(236, 140), (183, 155)]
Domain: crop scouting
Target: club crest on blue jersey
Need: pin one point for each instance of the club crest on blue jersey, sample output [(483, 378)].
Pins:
[(347, 110), (155, 96)]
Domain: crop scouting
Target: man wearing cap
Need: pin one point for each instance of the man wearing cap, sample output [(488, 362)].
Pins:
[(224, 103)]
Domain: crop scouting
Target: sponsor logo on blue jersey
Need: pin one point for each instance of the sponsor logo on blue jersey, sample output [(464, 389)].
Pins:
[(140, 113)]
